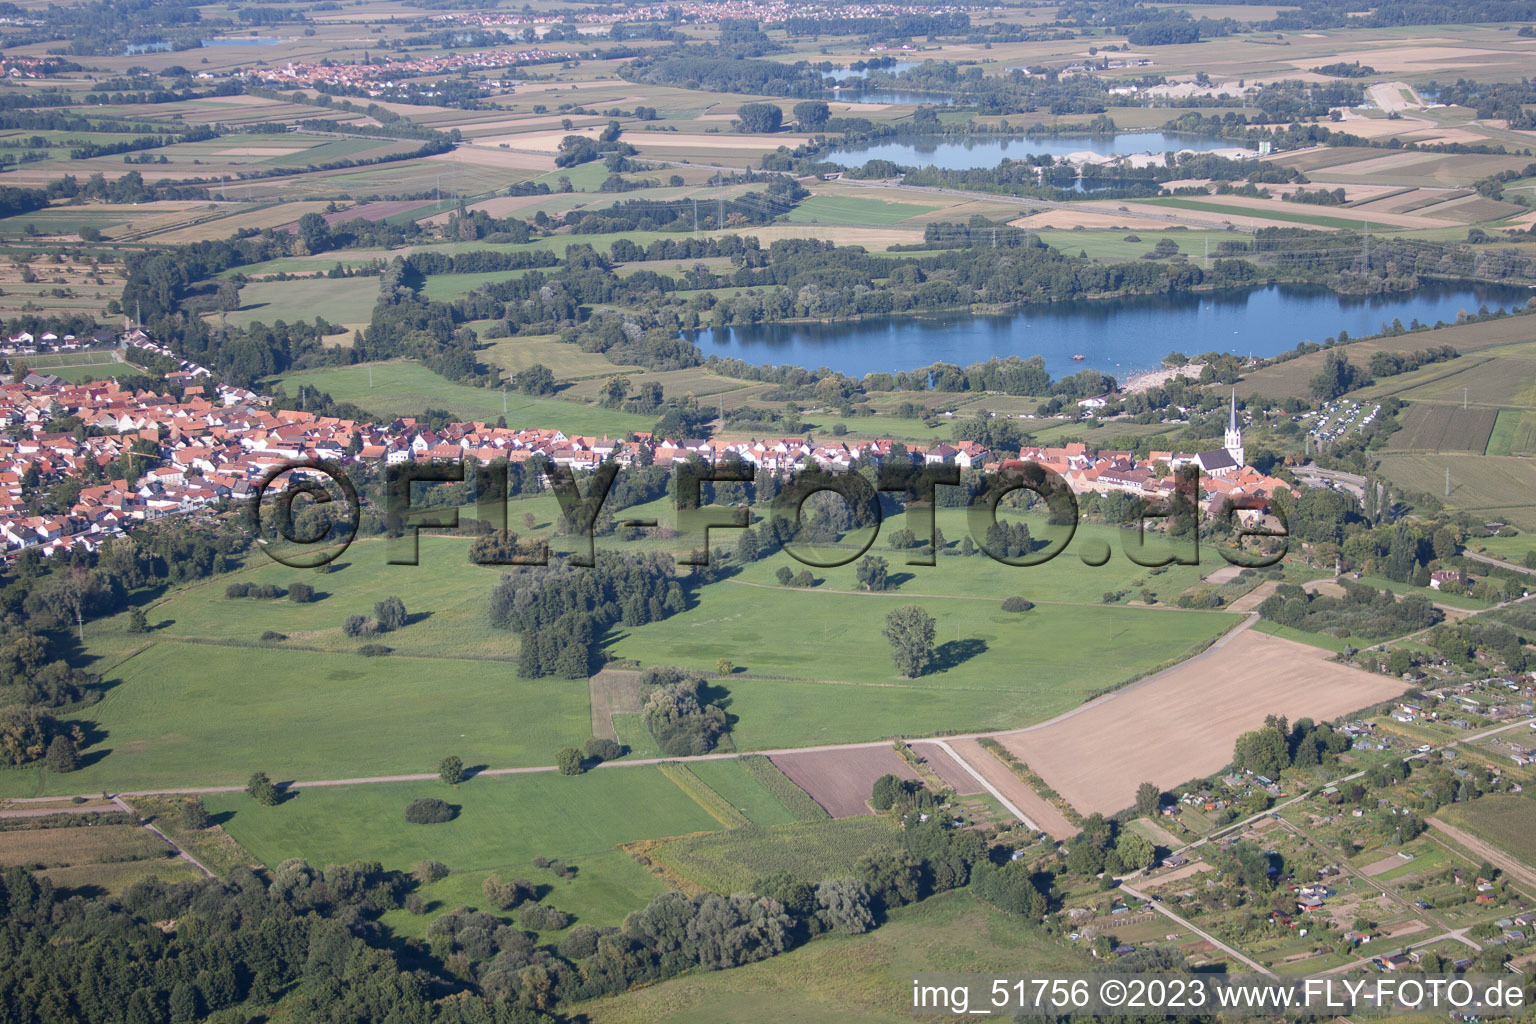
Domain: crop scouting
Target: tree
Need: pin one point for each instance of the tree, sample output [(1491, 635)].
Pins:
[(784, 575), (812, 115), (911, 632), (390, 614), (301, 593), (1149, 797), (62, 757), (842, 906), (1136, 854), (508, 895), (354, 626), (886, 789), (451, 770), (138, 622), (569, 761), (872, 572), (261, 789), (760, 117), (194, 816), (724, 667)]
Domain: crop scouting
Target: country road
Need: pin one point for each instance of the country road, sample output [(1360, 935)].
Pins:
[(1492, 854)]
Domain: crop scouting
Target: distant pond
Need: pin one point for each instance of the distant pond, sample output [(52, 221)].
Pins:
[(967, 153)]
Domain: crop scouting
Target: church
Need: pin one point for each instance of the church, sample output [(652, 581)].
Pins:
[(1228, 459)]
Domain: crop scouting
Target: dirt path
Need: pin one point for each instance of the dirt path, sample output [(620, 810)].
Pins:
[(173, 844), (1492, 854), (1043, 813)]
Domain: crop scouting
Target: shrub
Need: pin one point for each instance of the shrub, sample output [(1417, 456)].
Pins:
[(536, 917), (580, 942), (194, 816), (451, 770), (600, 748), (426, 871), (374, 650), (301, 593), (428, 811), (1017, 604), (507, 895), (569, 761), (273, 636), (414, 904), (354, 626)]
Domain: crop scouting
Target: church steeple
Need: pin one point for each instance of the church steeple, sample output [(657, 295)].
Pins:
[(1234, 440)]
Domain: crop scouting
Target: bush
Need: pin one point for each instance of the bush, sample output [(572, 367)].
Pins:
[(569, 761), (273, 636), (1017, 604), (580, 942), (536, 917), (507, 895), (428, 811), (374, 650), (414, 904), (355, 626), (427, 871), (194, 816), (600, 748), (301, 593)]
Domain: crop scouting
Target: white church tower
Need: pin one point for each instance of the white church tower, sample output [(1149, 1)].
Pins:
[(1234, 441)]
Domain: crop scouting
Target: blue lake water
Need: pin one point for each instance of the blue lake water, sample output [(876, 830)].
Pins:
[(964, 154), (1116, 337)]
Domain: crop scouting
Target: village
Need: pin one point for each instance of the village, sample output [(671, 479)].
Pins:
[(209, 443)]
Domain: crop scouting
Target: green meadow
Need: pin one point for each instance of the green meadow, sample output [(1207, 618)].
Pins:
[(502, 824), (405, 388)]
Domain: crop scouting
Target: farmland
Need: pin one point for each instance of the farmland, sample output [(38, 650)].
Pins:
[(730, 861), (1442, 428), (1504, 821), (1219, 689)]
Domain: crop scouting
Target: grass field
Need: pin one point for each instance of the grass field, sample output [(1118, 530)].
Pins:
[(864, 979), (1499, 487), (853, 210), (1507, 822), (502, 824), (1501, 441), (181, 714), (728, 862), (405, 388), (347, 300), (738, 787)]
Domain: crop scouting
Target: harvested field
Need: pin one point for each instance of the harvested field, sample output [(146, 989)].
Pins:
[(1073, 218), (1040, 810), (613, 691), (375, 211), (841, 780), (1382, 866), (948, 769), (1181, 724)]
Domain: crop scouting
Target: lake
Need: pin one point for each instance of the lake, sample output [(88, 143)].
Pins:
[(851, 87), (1117, 337), (964, 154)]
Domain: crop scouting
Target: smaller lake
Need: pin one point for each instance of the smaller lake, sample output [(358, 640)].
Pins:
[(851, 87), (965, 154)]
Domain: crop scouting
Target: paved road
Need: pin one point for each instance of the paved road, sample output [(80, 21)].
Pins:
[(1486, 560)]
